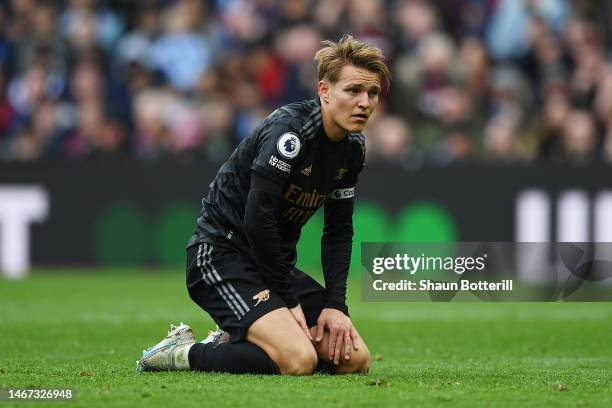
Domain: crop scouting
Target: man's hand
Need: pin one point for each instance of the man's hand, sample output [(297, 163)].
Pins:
[(298, 315), (342, 334)]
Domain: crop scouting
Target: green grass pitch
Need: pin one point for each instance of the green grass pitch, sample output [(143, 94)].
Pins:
[(85, 331)]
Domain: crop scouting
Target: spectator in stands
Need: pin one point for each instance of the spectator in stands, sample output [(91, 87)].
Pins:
[(579, 138), (496, 80), (182, 53)]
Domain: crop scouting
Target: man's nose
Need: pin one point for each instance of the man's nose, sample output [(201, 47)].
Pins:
[(364, 100)]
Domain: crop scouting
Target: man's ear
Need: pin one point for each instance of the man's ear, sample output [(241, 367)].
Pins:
[(324, 90)]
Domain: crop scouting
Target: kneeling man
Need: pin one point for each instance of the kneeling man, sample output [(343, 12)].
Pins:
[(273, 318)]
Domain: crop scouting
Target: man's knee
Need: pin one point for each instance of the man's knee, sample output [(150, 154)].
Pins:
[(358, 363), (296, 360), (279, 335)]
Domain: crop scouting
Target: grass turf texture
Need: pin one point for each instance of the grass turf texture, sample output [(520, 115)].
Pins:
[(85, 331)]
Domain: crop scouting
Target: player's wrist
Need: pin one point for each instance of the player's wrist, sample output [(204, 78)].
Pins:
[(337, 306)]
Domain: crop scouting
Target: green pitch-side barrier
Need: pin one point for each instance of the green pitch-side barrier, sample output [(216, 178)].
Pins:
[(125, 235)]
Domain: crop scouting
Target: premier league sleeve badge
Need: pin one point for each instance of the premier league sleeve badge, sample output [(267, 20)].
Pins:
[(288, 145)]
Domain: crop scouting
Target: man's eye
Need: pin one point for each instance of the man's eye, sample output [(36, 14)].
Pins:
[(353, 91), (374, 93)]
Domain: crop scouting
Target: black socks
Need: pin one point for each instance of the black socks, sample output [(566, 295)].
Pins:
[(236, 358)]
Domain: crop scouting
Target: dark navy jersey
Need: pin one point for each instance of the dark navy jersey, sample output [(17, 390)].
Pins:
[(290, 158)]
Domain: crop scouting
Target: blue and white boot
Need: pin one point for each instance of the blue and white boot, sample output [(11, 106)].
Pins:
[(170, 354)]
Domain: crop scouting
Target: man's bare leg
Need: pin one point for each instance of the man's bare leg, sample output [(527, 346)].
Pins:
[(358, 362), (280, 336), (275, 343)]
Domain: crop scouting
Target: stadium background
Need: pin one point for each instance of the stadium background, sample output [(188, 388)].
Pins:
[(497, 127), (126, 109)]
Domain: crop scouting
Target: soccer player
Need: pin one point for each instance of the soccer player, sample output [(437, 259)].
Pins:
[(273, 318)]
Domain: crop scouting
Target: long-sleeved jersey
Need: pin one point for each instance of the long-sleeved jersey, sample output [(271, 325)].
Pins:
[(272, 184)]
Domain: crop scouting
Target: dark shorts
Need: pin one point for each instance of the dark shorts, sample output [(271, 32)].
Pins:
[(227, 285)]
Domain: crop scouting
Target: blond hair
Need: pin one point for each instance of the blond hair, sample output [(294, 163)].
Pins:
[(350, 51)]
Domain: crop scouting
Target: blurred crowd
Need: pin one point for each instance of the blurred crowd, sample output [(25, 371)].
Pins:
[(494, 81)]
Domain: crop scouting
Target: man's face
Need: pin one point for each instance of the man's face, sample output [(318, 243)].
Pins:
[(351, 100)]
